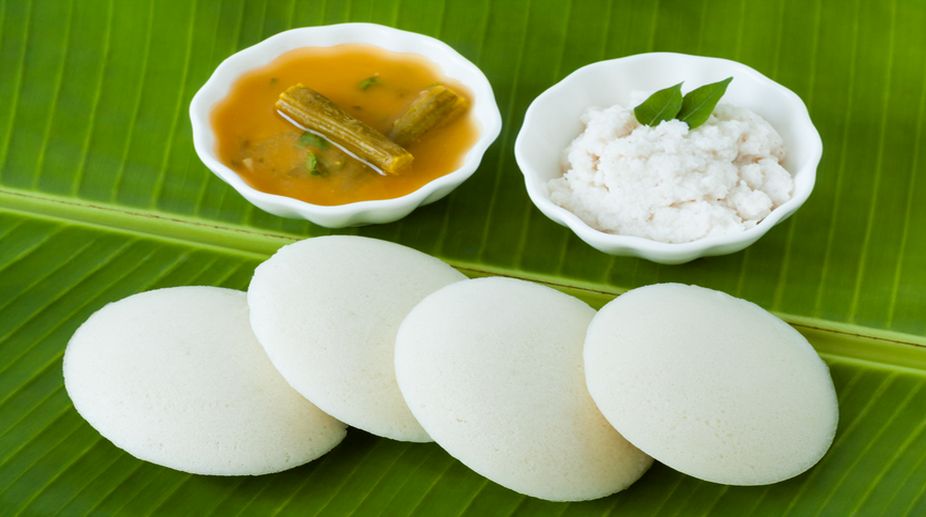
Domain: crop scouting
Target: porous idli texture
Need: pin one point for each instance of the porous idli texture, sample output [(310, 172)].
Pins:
[(492, 368), (175, 377), (710, 385), (327, 309)]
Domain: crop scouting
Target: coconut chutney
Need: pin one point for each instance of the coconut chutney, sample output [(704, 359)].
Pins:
[(671, 184)]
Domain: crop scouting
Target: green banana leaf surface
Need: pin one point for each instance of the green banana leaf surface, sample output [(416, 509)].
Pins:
[(102, 196)]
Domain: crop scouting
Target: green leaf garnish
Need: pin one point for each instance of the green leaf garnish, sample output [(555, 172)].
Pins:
[(368, 82), (660, 106), (311, 139), (699, 103), (311, 163)]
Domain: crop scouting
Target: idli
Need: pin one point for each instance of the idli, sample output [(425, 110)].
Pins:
[(175, 377), (710, 385), (492, 368), (327, 309)]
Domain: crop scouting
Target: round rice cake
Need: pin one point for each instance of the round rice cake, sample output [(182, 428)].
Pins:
[(492, 368), (327, 309), (175, 377), (710, 385)]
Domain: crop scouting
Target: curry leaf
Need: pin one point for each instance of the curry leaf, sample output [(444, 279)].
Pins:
[(660, 106), (698, 104)]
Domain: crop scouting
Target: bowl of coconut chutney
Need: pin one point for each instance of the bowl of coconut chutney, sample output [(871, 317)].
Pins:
[(669, 191)]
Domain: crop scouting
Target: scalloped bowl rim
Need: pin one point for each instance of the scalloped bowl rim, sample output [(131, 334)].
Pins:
[(662, 251), (262, 53)]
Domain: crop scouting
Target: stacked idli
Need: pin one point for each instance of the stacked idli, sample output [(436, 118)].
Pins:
[(178, 377), (526, 385), (708, 384)]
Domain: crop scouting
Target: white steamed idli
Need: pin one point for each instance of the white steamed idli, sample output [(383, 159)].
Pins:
[(710, 385), (327, 309), (492, 368), (175, 377)]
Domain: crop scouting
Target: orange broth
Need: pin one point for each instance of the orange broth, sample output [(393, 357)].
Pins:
[(265, 149)]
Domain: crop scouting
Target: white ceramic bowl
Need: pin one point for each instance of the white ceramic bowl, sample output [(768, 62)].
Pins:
[(450, 63), (552, 122)]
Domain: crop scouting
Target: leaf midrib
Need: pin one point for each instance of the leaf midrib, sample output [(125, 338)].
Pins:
[(834, 340)]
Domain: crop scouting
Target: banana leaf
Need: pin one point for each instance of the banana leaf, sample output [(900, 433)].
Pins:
[(102, 196)]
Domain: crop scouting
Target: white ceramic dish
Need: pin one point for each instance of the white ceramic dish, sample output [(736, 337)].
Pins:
[(552, 122), (450, 63)]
